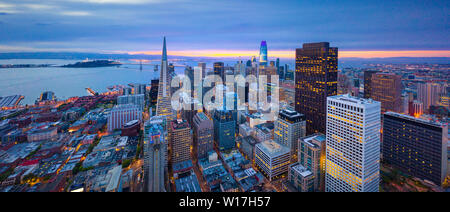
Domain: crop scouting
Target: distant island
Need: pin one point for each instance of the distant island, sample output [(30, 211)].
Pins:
[(93, 64)]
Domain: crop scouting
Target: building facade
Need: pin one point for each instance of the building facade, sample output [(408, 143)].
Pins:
[(122, 114), (137, 99), (289, 127), (315, 80), (311, 155), (155, 155), (301, 178), (368, 82), (180, 136), (352, 144), (387, 89), (203, 135), (224, 129), (429, 94), (272, 159), (416, 147)]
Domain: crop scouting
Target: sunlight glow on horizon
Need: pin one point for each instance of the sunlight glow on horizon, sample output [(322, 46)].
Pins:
[(291, 53)]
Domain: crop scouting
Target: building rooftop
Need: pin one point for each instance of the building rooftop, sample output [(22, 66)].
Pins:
[(304, 172), (291, 115), (419, 120), (272, 148), (179, 124), (353, 99), (318, 137), (188, 184)]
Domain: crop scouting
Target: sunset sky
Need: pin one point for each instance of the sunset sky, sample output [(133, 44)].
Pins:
[(221, 28)]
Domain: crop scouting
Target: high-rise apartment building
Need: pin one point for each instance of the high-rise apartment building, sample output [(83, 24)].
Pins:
[(203, 135), (416, 147), (315, 80), (180, 136), (289, 127), (387, 89), (352, 144)]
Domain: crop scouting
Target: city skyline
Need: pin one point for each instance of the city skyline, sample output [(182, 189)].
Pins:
[(177, 96), (112, 26)]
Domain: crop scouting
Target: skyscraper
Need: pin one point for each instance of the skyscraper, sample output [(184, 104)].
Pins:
[(352, 144), (154, 94), (289, 127), (203, 134), (219, 69), (180, 136), (164, 106), (387, 89), (263, 54), (416, 147), (202, 67), (315, 80), (368, 82), (429, 93), (277, 64), (155, 155), (224, 129)]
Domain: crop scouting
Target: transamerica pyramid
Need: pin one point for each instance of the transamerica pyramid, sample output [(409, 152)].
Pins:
[(163, 106)]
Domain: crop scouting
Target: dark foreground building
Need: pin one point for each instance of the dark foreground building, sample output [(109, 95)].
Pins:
[(416, 147), (315, 80)]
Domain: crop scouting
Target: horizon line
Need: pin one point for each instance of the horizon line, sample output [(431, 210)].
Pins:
[(290, 54), (286, 54)]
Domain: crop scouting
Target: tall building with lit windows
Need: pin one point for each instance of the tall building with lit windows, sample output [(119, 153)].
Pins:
[(415, 146), (315, 80), (219, 69), (164, 106), (352, 144), (203, 128), (224, 129), (180, 136), (263, 54), (289, 127), (387, 89), (368, 82)]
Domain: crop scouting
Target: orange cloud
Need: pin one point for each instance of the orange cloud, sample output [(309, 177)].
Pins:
[(291, 54)]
